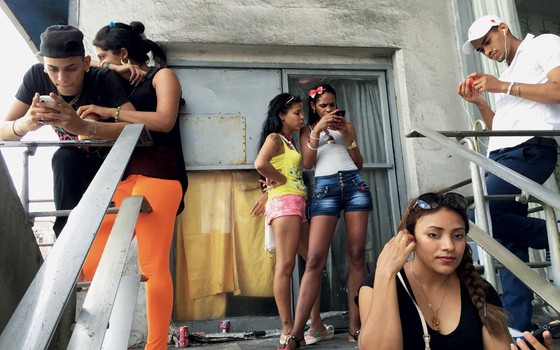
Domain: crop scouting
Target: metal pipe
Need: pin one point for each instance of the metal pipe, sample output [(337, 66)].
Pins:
[(24, 195), (482, 214), (553, 243)]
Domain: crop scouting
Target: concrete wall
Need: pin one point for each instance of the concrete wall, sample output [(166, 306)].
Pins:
[(20, 257), (417, 37)]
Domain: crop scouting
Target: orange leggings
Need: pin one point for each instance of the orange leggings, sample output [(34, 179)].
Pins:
[(154, 232)]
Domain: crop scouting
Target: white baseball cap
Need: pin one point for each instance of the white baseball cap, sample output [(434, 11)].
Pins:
[(478, 29)]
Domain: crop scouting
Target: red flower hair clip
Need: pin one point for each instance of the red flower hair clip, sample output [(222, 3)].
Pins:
[(315, 92)]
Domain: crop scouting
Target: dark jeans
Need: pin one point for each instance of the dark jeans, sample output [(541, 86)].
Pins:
[(73, 170), (512, 227)]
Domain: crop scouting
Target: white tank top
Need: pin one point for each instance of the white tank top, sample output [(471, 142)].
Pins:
[(332, 157)]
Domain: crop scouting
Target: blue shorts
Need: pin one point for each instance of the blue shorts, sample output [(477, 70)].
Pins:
[(344, 190)]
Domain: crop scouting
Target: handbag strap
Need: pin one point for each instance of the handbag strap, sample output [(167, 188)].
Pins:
[(424, 325)]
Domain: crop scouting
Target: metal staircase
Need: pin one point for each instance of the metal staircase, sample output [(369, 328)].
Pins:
[(106, 316)]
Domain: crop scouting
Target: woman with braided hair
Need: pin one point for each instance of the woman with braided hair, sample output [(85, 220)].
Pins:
[(435, 300)]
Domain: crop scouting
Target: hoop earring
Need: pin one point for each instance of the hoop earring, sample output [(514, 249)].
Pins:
[(125, 63)]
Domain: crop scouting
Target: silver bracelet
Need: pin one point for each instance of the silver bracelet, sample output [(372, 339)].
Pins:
[(509, 88)]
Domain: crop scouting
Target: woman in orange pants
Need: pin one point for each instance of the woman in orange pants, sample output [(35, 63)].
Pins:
[(155, 172), (154, 232)]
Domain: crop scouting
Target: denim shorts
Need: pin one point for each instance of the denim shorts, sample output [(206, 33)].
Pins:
[(344, 190)]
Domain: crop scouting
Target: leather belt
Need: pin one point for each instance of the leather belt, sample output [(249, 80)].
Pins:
[(542, 141)]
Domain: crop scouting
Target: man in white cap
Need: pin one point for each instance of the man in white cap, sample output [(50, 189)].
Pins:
[(527, 96)]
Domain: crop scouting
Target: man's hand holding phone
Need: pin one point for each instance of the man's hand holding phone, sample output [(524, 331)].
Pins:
[(46, 104), (537, 340)]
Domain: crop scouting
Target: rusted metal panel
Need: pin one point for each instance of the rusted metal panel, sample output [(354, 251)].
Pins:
[(224, 113), (214, 140)]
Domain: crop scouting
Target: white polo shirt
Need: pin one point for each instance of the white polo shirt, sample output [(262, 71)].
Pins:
[(535, 57)]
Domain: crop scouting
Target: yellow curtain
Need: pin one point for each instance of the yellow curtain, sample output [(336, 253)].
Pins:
[(254, 267), (220, 246)]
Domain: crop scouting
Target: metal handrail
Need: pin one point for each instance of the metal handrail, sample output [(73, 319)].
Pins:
[(34, 321), (468, 133), (520, 181), (482, 212), (145, 139), (523, 272), (91, 323), (548, 199)]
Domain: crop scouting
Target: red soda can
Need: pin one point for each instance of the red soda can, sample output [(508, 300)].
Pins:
[(183, 337), (225, 326)]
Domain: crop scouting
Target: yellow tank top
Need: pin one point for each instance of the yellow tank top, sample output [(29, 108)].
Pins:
[(289, 164)]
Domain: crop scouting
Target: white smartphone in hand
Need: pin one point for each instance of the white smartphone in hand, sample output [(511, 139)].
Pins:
[(46, 98)]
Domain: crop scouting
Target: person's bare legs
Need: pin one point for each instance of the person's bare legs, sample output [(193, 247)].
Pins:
[(287, 231), (316, 321), (320, 235), (356, 229)]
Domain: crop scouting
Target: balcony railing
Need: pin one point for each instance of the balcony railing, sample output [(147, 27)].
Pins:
[(33, 323)]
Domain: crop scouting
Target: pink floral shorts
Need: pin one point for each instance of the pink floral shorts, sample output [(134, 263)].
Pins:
[(286, 205)]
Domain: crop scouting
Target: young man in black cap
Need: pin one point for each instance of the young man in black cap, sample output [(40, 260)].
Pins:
[(527, 96), (65, 74)]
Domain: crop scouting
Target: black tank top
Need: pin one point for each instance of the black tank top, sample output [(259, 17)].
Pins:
[(163, 160)]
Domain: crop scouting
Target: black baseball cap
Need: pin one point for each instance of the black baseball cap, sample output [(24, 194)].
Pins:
[(61, 41)]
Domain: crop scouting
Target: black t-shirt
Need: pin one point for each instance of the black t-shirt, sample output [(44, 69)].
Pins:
[(100, 87), (467, 335)]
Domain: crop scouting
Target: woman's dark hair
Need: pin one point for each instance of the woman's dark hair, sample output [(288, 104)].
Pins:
[(278, 105), (493, 317), (131, 37), (312, 116)]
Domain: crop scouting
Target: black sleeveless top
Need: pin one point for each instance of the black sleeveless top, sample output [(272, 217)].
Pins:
[(467, 335), (163, 160)]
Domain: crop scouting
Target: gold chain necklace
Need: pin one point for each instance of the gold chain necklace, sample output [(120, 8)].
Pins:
[(74, 100), (435, 319)]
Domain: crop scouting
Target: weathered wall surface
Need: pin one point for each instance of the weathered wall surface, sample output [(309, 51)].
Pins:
[(417, 37), (20, 257)]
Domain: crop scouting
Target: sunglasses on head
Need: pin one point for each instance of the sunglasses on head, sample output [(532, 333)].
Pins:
[(429, 201)]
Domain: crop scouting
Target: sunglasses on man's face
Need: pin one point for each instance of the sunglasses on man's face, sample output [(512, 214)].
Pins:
[(429, 201)]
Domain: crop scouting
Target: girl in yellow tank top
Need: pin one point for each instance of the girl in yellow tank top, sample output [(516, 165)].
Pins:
[(289, 165), (280, 163)]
